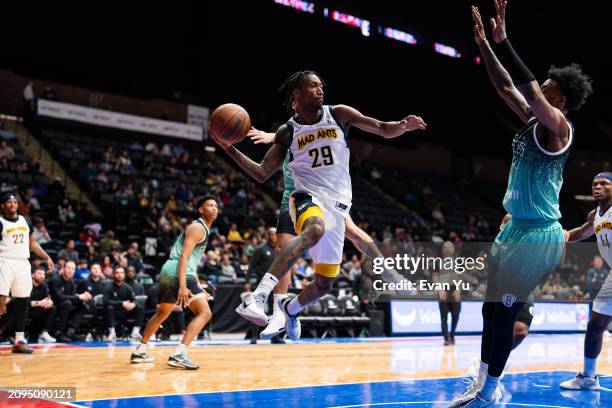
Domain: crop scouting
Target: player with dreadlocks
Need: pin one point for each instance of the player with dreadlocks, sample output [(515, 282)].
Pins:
[(315, 140)]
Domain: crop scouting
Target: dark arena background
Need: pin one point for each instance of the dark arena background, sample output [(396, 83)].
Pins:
[(105, 149)]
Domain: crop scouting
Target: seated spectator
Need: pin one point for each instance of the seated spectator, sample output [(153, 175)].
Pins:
[(233, 234), (211, 268), (120, 305), (228, 272), (108, 243), (95, 282), (69, 253), (65, 211), (41, 235), (70, 306), (131, 280), (31, 200), (107, 267), (6, 151), (133, 259), (82, 270), (92, 256), (88, 237), (42, 310)]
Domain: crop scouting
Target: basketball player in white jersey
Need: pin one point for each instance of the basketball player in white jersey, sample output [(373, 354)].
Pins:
[(16, 242), (599, 222), (319, 161)]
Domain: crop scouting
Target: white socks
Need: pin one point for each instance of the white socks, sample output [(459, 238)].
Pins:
[(111, 331), (180, 349), (590, 367), (482, 373), (142, 347), (488, 389), (294, 307), (267, 284), (19, 336)]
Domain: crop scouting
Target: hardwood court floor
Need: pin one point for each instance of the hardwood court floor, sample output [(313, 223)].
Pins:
[(105, 372)]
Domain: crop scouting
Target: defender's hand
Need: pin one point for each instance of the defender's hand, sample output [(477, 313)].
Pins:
[(479, 32), (260, 137), (498, 24)]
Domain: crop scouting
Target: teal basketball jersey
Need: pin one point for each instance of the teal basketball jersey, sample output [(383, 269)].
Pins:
[(536, 177)]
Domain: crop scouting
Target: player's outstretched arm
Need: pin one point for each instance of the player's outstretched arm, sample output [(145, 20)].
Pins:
[(497, 73), (352, 117), (584, 231), (271, 161), (549, 116)]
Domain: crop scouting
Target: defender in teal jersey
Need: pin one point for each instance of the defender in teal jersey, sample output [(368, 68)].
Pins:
[(178, 284), (531, 244)]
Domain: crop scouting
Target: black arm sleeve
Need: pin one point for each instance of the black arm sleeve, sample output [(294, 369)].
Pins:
[(513, 63)]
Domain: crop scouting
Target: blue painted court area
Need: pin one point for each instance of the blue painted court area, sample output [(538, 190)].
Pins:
[(535, 389)]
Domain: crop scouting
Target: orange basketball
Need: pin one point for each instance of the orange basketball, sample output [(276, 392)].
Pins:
[(229, 123)]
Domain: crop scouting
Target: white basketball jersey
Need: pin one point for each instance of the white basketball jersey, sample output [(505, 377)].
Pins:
[(319, 159), (15, 242), (603, 230)]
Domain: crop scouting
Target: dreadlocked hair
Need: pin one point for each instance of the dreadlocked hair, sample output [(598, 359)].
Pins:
[(575, 85), (294, 81)]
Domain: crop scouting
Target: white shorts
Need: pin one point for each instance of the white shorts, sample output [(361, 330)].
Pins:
[(603, 301), (15, 277), (327, 253)]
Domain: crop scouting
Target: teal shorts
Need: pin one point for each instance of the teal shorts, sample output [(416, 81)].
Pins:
[(522, 254), (169, 284)]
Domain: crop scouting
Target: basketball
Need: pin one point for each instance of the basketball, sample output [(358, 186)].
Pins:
[(229, 123)]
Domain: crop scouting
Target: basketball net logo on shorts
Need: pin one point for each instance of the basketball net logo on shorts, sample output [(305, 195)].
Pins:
[(508, 299)]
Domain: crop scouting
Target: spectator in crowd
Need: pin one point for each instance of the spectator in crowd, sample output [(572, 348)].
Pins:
[(95, 282), (211, 268), (41, 235), (65, 211), (6, 151), (107, 267), (88, 237), (31, 200), (233, 234), (69, 253), (133, 259), (131, 280), (120, 305), (91, 257), (42, 310), (228, 271), (82, 270), (166, 239), (596, 276), (108, 243), (69, 305)]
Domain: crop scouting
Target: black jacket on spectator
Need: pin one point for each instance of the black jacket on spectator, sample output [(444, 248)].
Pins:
[(91, 286), (136, 287), (261, 260), (62, 290), (39, 292), (115, 295)]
